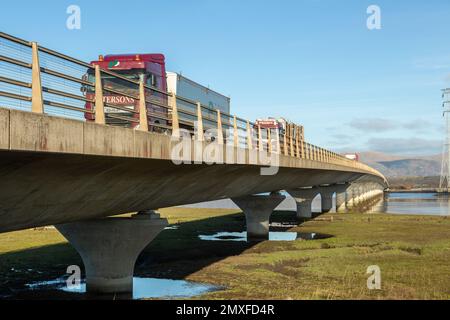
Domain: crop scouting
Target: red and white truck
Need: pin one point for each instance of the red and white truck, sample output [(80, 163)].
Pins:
[(150, 68), (272, 123), (352, 156)]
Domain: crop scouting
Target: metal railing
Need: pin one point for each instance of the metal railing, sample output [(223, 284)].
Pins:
[(41, 80)]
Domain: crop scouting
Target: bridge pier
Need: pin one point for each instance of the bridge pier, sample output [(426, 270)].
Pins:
[(341, 197), (352, 195), (360, 194), (257, 210), (109, 248), (303, 199), (326, 195)]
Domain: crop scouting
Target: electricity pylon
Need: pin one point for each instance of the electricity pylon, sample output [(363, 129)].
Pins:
[(444, 184)]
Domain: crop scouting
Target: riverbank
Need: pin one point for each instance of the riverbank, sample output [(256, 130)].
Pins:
[(413, 253)]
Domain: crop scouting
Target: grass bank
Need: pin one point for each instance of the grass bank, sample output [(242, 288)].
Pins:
[(413, 253)]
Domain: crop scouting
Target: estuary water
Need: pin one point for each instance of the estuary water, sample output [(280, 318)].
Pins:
[(396, 203), (414, 203)]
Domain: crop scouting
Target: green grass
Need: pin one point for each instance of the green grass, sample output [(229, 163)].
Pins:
[(413, 253)]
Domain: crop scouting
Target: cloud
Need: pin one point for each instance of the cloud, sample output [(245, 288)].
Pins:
[(373, 124), (379, 125), (419, 125), (407, 146), (341, 139)]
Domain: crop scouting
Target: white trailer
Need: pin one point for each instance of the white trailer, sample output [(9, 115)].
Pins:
[(189, 89)]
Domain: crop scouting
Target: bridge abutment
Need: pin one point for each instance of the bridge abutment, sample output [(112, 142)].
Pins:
[(110, 247), (257, 210)]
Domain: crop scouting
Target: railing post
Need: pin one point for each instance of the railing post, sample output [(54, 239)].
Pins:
[(235, 132), (260, 142), (99, 106), (302, 142), (291, 140), (277, 132), (175, 122), (143, 120), (269, 141), (219, 128), (285, 145), (297, 141), (249, 137), (200, 136), (37, 100)]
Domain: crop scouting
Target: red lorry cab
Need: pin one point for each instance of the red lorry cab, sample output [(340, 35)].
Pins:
[(148, 67)]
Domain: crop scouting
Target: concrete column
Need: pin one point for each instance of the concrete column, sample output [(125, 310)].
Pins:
[(304, 208), (303, 199), (359, 194), (109, 248), (327, 199), (352, 197), (362, 194), (257, 210), (340, 201)]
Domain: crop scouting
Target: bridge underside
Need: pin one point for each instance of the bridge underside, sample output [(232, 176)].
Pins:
[(39, 189)]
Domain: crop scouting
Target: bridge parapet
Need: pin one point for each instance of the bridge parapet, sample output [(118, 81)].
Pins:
[(37, 79)]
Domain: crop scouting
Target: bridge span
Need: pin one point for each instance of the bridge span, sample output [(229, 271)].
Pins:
[(58, 168)]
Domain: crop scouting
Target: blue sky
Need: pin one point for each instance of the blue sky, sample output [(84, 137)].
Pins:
[(312, 61)]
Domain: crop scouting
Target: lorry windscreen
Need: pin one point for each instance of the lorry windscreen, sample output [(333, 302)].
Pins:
[(115, 82)]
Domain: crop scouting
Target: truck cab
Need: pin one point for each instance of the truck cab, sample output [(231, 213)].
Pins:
[(147, 67)]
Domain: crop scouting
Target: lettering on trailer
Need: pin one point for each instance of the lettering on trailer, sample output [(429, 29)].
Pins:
[(118, 100)]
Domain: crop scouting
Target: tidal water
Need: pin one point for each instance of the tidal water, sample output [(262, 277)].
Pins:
[(396, 203), (414, 203), (142, 288), (406, 203), (273, 236)]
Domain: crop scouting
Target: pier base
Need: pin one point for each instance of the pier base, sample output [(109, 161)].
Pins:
[(110, 247)]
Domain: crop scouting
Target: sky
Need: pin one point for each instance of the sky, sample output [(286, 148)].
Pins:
[(314, 62)]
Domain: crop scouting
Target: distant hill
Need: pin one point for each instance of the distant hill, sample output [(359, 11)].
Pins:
[(403, 166), (405, 183)]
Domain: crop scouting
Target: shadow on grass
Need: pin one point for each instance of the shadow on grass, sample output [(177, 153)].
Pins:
[(174, 254)]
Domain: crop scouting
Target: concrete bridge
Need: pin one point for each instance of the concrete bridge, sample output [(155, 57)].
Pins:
[(57, 168)]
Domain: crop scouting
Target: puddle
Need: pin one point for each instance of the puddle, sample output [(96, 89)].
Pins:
[(172, 227), (273, 236), (142, 288)]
